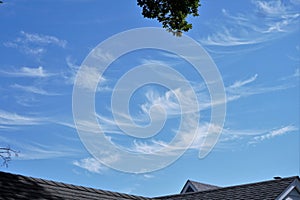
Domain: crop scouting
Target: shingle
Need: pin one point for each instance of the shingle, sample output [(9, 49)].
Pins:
[(267, 190), (202, 186), (21, 187)]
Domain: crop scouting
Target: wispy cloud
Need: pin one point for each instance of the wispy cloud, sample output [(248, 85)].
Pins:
[(242, 83), (8, 119), (271, 8), (200, 140), (151, 147), (39, 151), (34, 44), (296, 73), (229, 139), (38, 72), (32, 89), (106, 124), (239, 89), (70, 75), (243, 88), (29, 150), (276, 132), (252, 136), (87, 78), (148, 176), (168, 101), (43, 39), (90, 164), (269, 20)]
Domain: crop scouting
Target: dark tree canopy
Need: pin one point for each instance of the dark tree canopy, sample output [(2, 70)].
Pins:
[(171, 13)]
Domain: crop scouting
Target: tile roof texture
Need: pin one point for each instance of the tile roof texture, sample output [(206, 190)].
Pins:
[(267, 190), (21, 187), (199, 186), (203, 186)]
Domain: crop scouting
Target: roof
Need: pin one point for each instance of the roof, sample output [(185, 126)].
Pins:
[(14, 186), (21, 187), (197, 187), (266, 190)]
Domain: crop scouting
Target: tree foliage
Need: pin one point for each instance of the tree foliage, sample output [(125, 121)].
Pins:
[(171, 13), (6, 153)]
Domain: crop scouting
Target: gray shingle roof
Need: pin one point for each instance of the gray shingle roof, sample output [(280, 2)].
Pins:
[(203, 186), (21, 187), (267, 190), (199, 186)]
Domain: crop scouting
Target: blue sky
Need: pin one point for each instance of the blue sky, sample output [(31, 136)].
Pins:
[(255, 46)]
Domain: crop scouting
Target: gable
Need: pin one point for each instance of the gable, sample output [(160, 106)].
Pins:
[(292, 192), (277, 189), (189, 189), (193, 186), (22, 187), (293, 195)]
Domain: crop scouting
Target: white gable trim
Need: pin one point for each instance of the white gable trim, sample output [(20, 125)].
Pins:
[(187, 185), (284, 194)]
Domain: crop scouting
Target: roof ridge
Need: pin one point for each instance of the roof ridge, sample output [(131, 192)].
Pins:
[(81, 188), (261, 182), (233, 186)]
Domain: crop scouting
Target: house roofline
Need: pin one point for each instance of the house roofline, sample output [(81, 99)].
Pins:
[(192, 183), (229, 187), (81, 188), (294, 185)]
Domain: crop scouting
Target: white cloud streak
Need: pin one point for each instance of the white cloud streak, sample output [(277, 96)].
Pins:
[(276, 132), (38, 72), (87, 78), (29, 150), (229, 136), (271, 8), (90, 164), (34, 44), (71, 73), (238, 84), (241, 88), (39, 151), (42, 39), (269, 20), (8, 119), (187, 140), (168, 101), (296, 73), (32, 89)]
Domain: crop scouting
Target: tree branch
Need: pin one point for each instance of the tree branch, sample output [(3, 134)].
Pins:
[(6, 153)]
